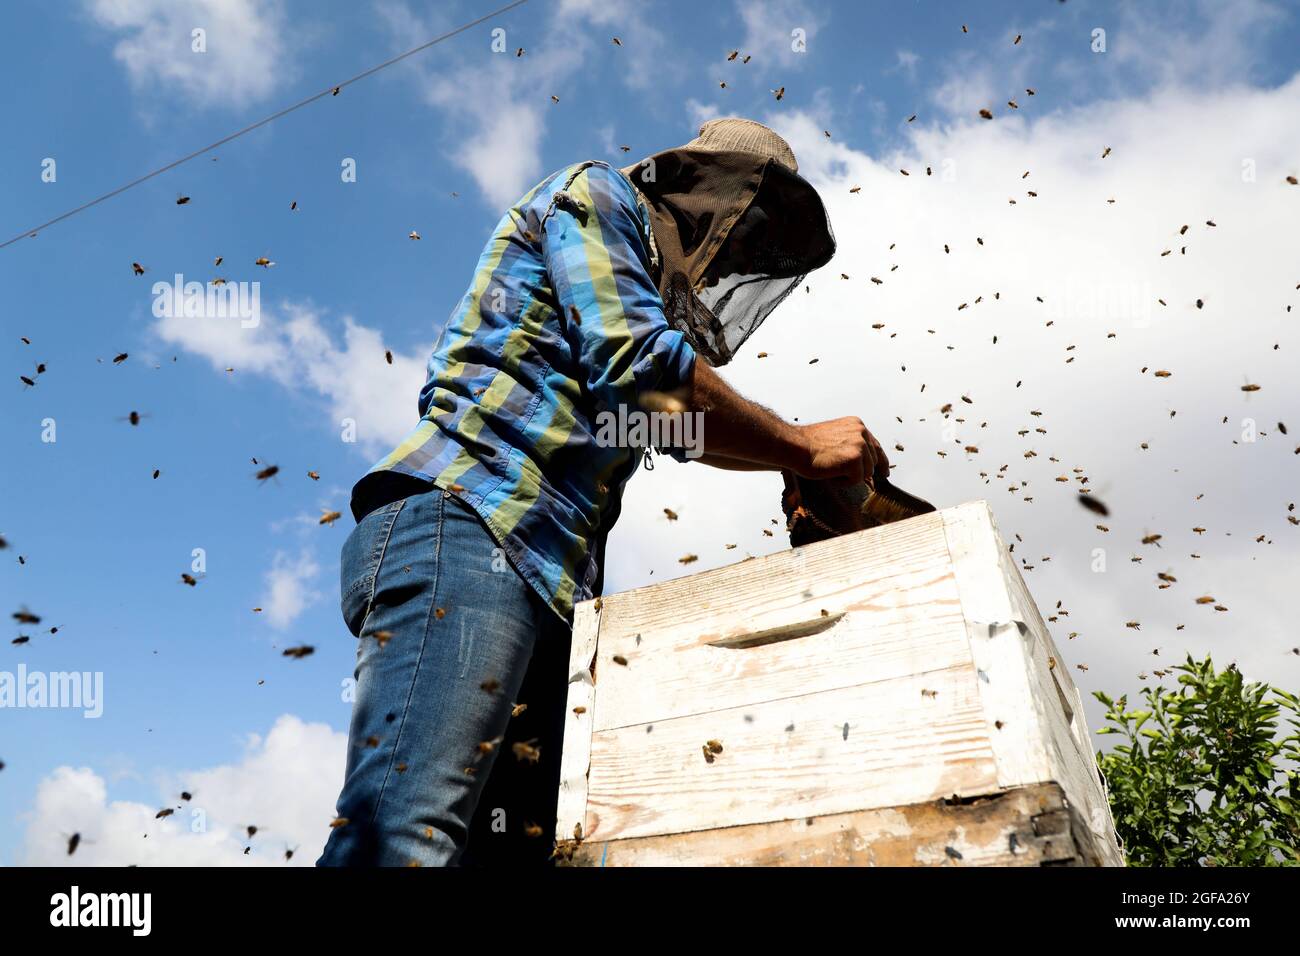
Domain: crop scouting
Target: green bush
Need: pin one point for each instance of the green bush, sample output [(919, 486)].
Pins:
[(1207, 777)]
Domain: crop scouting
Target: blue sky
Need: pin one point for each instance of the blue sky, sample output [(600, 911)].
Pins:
[(112, 90)]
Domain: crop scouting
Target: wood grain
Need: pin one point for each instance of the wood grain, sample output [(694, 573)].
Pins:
[(1028, 826), (575, 758), (793, 757)]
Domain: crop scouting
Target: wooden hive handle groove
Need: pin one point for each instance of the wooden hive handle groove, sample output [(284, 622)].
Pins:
[(773, 635)]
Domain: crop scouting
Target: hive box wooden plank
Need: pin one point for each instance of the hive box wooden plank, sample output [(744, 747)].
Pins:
[(888, 696)]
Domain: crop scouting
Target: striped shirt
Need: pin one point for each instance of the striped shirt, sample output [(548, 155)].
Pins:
[(561, 321)]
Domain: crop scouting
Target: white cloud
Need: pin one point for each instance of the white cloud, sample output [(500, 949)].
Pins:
[(289, 589), (769, 30), (285, 785), (247, 47), (701, 113), (496, 103), (292, 346), (906, 62), (643, 56), (1221, 49)]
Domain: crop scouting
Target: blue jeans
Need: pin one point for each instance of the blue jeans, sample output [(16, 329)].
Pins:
[(450, 640)]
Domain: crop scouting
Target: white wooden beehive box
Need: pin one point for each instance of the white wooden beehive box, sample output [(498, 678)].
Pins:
[(887, 697)]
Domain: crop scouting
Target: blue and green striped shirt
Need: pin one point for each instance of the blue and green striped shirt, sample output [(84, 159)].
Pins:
[(561, 321)]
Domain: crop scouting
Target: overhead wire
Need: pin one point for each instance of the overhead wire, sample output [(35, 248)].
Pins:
[(328, 91)]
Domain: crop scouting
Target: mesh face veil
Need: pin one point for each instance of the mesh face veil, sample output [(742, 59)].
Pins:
[(735, 232)]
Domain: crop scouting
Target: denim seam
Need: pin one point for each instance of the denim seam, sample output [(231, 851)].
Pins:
[(415, 675), (377, 551), (381, 551)]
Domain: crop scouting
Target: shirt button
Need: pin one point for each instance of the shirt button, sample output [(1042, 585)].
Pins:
[(446, 494)]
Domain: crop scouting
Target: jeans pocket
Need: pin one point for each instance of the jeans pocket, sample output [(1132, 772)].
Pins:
[(359, 563)]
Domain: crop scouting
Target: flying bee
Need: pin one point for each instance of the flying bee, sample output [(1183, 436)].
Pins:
[(182, 200), (382, 637), (134, 418), (486, 747), (388, 356), (263, 261), (24, 616), (270, 471), (329, 517), (525, 750), (289, 851), (532, 830), (673, 402), (490, 686), (119, 358), (518, 709), (1093, 504), (164, 812), (189, 579), (314, 476), (299, 652), (137, 268)]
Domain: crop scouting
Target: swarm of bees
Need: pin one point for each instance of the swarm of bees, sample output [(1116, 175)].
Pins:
[(1087, 498)]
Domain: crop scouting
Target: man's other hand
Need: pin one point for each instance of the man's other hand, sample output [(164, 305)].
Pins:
[(842, 448)]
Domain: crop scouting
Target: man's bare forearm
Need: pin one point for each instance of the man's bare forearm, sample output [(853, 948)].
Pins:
[(740, 434), (733, 464)]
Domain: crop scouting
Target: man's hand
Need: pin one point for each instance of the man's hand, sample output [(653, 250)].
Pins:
[(842, 448)]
